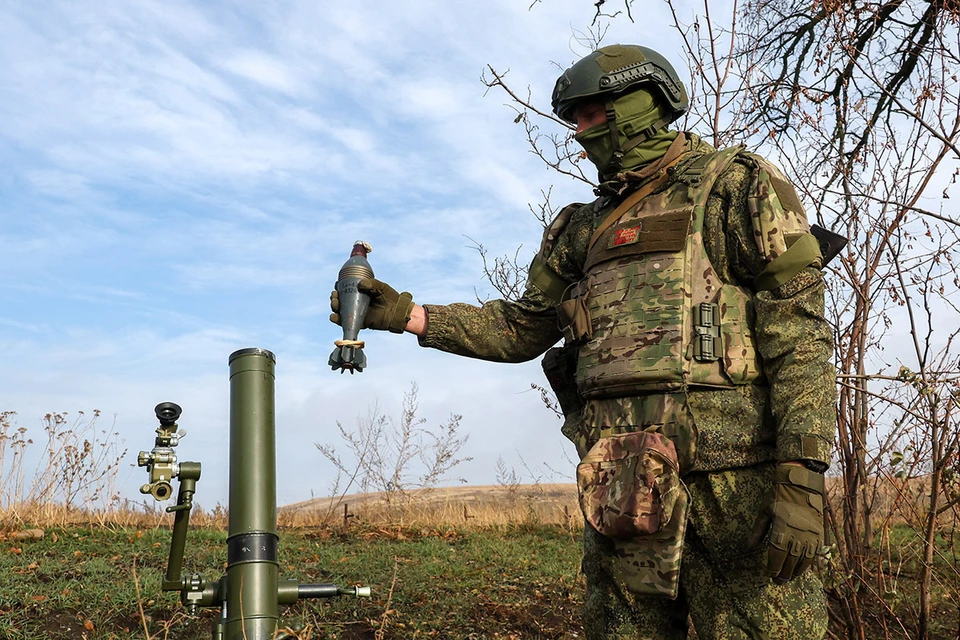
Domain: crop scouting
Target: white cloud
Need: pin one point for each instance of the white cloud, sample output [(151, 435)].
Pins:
[(264, 69)]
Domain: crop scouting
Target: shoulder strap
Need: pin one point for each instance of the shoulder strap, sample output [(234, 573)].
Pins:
[(711, 164), (701, 175)]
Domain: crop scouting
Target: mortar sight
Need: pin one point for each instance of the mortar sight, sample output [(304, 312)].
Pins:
[(168, 413), (161, 462)]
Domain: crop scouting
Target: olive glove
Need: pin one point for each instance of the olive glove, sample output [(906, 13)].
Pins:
[(388, 311), (793, 516)]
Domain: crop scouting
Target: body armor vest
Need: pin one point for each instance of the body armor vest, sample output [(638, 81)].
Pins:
[(660, 318)]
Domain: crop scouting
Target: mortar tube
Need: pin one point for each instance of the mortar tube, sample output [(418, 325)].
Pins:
[(252, 567)]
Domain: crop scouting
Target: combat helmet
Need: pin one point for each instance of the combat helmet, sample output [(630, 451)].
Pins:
[(611, 71), (614, 70)]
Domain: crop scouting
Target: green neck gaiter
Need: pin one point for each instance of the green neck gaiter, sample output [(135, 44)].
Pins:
[(635, 111)]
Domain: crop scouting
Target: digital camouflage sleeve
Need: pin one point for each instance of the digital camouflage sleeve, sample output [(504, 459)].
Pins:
[(753, 214)]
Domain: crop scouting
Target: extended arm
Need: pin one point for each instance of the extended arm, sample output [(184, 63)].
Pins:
[(500, 330), (418, 321)]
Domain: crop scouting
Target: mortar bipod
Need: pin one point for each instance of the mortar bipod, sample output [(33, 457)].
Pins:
[(250, 592)]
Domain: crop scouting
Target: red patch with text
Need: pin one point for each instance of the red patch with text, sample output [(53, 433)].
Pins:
[(628, 235)]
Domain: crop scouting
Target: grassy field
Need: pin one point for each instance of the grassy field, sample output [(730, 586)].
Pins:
[(471, 564), (496, 582)]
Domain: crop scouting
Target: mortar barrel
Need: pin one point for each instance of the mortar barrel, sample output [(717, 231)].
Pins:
[(252, 568)]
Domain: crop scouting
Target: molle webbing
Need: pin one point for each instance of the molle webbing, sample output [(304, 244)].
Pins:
[(549, 282), (666, 232)]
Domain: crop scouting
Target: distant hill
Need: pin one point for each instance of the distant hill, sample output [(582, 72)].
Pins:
[(490, 504)]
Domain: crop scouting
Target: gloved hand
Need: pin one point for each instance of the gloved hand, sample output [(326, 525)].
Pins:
[(793, 516), (389, 310)]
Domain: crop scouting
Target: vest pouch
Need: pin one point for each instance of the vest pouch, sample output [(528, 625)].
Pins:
[(738, 354), (574, 319), (628, 484)]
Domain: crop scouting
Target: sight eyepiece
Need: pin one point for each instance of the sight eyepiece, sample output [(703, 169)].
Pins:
[(168, 413)]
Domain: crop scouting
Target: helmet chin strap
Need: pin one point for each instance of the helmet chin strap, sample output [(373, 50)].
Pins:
[(640, 138)]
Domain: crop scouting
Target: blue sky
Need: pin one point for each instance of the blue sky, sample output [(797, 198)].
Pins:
[(184, 179)]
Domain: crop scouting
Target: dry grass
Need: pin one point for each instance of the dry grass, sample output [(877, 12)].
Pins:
[(893, 501), (482, 506), (464, 507)]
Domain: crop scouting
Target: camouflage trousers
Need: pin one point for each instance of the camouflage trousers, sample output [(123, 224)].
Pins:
[(723, 589)]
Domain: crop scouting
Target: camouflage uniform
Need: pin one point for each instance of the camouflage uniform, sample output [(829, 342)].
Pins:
[(728, 439)]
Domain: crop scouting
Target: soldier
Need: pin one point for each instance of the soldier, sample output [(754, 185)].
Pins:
[(691, 301)]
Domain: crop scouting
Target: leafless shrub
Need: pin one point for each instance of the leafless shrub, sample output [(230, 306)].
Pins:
[(860, 102), (394, 457), (508, 478), (77, 470), (506, 274)]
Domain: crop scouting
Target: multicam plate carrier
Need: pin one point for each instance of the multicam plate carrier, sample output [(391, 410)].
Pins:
[(660, 317)]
